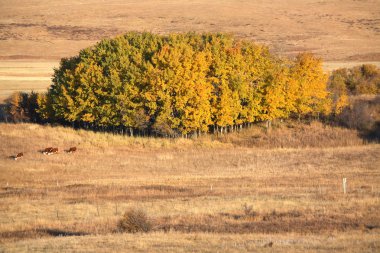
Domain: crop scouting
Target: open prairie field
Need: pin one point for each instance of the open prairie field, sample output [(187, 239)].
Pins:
[(250, 191), (343, 32), (24, 76), (335, 29), (211, 194)]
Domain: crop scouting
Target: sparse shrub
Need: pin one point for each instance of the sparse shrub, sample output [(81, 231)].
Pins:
[(248, 210), (362, 114), (133, 221), (359, 80), (15, 108), (22, 107)]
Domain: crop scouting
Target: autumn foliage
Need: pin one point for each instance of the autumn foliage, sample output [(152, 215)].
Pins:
[(359, 80), (182, 84)]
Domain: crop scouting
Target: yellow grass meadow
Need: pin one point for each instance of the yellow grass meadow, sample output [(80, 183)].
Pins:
[(211, 194)]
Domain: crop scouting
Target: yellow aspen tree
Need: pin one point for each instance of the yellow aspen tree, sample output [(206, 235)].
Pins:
[(162, 95), (256, 64), (196, 115), (312, 85)]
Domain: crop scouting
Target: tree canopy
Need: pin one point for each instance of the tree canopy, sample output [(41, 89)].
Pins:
[(181, 84)]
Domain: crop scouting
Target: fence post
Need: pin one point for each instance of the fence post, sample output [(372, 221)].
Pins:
[(344, 185)]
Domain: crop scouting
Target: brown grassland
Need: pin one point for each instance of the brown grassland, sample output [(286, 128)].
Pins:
[(36, 34), (250, 191), (337, 30), (277, 191)]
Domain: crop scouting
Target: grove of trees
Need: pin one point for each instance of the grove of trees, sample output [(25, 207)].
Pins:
[(362, 79), (184, 84), (359, 80)]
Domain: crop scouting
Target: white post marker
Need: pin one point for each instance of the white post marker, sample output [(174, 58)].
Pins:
[(344, 185)]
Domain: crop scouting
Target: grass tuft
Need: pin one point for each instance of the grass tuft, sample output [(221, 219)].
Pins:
[(133, 221)]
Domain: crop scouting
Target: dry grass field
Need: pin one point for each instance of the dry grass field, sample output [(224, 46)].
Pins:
[(24, 76), (37, 33), (277, 191), (334, 29), (244, 192)]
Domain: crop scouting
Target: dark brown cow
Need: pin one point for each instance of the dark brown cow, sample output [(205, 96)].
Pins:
[(47, 151), (53, 151), (72, 150), (18, 156), (50, 151)]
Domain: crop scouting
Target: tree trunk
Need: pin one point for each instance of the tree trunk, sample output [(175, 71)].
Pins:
[(269, 125)]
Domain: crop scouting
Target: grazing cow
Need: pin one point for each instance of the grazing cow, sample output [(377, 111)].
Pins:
[(53, 151), (71, 150), (50, 151), (47, 151), (18, 156)]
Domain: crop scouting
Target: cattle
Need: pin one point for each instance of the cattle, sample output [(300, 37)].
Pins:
[(18, 156), (53, 151), (71, 150), (48, 150)]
